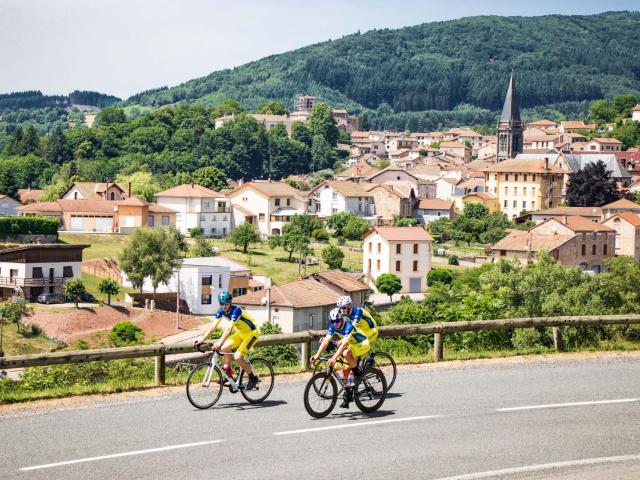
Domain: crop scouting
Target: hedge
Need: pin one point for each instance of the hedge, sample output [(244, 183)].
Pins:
[(28, 226)]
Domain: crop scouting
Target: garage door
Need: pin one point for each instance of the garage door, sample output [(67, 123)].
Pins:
[(415, 285), (76, 223), (104, 224)]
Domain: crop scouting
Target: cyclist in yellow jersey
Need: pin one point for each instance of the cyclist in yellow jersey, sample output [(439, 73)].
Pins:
[(360, 318), (354, 345), (241, 335)]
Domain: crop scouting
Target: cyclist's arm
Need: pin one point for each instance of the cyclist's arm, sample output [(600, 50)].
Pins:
[(207, 333), (226, 333), (323, 346)]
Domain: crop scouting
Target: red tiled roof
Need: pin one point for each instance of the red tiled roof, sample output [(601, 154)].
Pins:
[(298, 294), (26, 195), (630, 217), (344, 280), (392, 234), (622, 203), (190, 190), (435, 204), (523, 241), (581, 224)]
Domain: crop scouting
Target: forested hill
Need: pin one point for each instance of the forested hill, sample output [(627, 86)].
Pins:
[(36, 99), (440, 66)]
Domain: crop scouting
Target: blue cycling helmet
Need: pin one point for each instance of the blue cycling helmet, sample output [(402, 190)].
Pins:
[(224, 297)]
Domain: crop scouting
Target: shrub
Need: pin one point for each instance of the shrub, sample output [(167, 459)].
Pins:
[(389, 284), (531, 337), (341, 241), (454, 260), (74, 289), (321, 234), (441, 275), (332, 256), (405, 222), (82, 345), (126, 333), (356, 228), (278, 355), (195, 232), (33, 225)]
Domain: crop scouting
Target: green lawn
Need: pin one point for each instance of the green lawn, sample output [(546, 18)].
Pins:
[(102, 244), (14, 343), (461, 250)]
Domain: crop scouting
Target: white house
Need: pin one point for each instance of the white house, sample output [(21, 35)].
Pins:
[(266, 204), (8, 206), (198, 207), (201, 280), (29, 270), (402, 251), (635, 114), (332, 196), (430, 209), (95, 191)]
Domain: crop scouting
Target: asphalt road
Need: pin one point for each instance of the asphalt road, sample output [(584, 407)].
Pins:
[(562, 420)]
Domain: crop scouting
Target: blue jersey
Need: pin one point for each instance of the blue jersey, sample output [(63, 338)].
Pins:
[(362, 319), (241, 320), (347, 331)]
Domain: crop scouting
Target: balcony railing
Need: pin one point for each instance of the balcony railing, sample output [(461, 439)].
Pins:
[(31, 281)]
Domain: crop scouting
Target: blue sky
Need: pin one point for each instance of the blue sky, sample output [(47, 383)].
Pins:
[(125, 46)]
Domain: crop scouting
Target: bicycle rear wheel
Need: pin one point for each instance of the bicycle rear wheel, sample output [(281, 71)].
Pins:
[(370, 391), (320, 395), (263, 369), (385, 363), (200, 392)]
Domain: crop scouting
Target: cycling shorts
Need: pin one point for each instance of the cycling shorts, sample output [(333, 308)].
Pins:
[(243, 342), (358, 349)]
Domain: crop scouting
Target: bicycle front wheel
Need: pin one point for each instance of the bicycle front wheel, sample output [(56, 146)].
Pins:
[(320, 395), (370, 391), (204, 386), (263, 369), (385, 363)]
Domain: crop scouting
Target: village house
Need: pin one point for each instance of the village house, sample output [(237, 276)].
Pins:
[(525, 184), (463, 135), (8, 206), (357, 172), (391, 201), (487, 199), (540, 142), (29, 270), (598, 144), (430, 209), (295, 306), (198, 207), (573, 126), (627, 228), (573, 241), (94, 191), (543, 125), (343, 283), (619, 206), (402, 251), (29, 195), (103, 216), (594, 214), (333, 196), (635, 114), (266, 204), (456, 149), (422, 188)]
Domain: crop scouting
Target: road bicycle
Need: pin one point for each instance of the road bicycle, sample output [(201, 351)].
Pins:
[(323, 388), (207, 380), (381, 360)]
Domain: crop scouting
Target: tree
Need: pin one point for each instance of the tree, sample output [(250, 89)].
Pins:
[(300, 133), (110, 116), (14, 312), (75, 289), (243, 235), (321, 123), (272, 107), (108, 287), (441, 275), (591, 186), (389, 284), (322, 155), (338, 221), (332, 256), (152, 253), (601, 112), (142, 184), (211, 177), (203, 248), (405, 222), (58, 151), (292, 239), (356, 228)]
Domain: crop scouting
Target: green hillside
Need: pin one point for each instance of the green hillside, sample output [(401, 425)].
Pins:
[(440, 70)]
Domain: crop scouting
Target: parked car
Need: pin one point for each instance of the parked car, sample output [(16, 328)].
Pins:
[(87, 297), (50, 298)]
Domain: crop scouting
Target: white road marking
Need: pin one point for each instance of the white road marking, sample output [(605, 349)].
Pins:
[(573, 404), (543, 466), (358, 424), (118, 455)]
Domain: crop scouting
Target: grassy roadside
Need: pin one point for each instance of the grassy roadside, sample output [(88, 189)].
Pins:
[(140, 375)]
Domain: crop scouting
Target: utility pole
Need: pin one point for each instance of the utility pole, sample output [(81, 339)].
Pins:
[(1, 331), (178, 300)]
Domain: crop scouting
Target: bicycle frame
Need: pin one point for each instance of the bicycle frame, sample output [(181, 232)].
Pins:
[(213, 362)]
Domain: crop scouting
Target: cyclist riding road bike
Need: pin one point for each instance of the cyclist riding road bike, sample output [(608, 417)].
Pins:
[(359, 317), (241, 335), (354, 345)]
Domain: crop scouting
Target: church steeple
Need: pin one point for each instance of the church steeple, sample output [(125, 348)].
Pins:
[(510, 125)]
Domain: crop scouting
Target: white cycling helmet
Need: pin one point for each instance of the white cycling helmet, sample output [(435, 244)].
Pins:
[(344, 301), (334, 314)]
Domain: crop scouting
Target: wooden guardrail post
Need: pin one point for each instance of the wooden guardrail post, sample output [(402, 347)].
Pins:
[(159, 370), (558, 341), (438, 347), (304, 355)]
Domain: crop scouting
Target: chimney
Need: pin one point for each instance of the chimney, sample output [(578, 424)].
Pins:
[(565, 220), (129, 191), (546, 163)]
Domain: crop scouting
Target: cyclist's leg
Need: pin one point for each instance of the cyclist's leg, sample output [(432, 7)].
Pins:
[(234, 340), (247, 343)]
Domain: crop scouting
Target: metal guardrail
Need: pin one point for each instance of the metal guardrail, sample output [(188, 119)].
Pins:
[(438, 330)]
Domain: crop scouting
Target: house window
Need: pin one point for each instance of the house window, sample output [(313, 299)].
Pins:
[(219, 281), (593, 249), (524, 177), (415, 247), (206, 204), (215, 218), (203, 217), (369, 265), (397, 265), (261, 216), (533, 205), (503, 253), (151, 220), (207, 279), (584, 250), (524, 205), (515, 190), (378, 264), (277, 202), (515, 204), (533, 178), (415, 265), (370, 246), (334, 196), (113, 195), (36, 272), (515, 177), (506, 204), (379, 247), (604, 249), (288, 202), (524, 191), (205, 298), (224, 230), (506, 190), (165, 219), (398, 248), (67, 272), (506, 177)]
